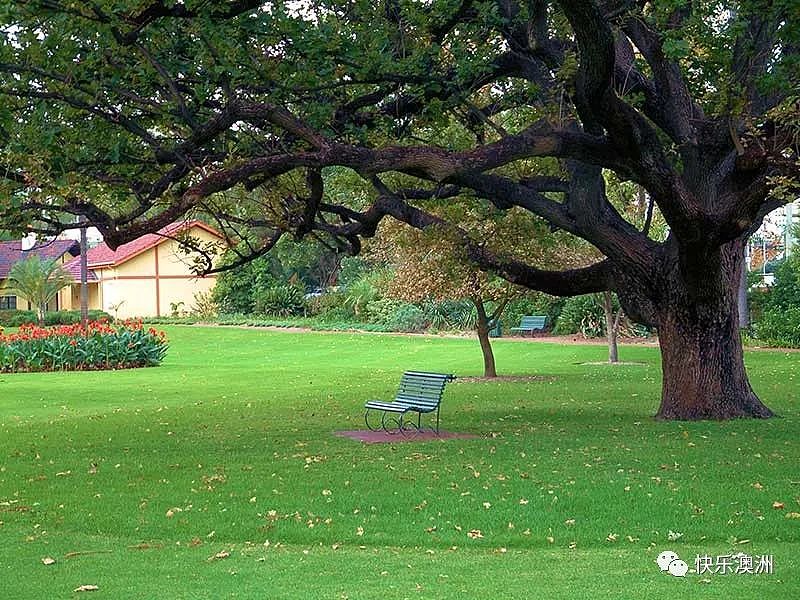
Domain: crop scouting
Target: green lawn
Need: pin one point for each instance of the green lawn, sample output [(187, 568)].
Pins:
[(227, 447)]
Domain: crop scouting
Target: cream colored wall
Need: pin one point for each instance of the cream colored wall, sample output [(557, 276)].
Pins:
[(134, 281), (132, 297), (172, 261), (142, 265), (182, 290), (94, 296)]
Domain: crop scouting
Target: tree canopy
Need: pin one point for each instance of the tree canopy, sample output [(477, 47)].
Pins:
[(134, 113)]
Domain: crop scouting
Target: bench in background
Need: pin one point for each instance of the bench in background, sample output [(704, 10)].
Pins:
[(531, 323)]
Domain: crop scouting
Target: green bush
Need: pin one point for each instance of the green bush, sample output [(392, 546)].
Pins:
[(280, 300), (450, 314), (235, 291), (779, 327), (581, 314), (15, 318), (381, 310), (408, 318), (330, 302), (70, 317), (535, 303), (785, 293)]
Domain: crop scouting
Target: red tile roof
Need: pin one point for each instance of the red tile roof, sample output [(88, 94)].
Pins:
[(73, 267), (102, 256), (12, 252)]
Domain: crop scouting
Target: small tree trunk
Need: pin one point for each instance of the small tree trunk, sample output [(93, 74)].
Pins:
[(41, 310), (744, 309), (612, 327), (84, 276), (489, 368)]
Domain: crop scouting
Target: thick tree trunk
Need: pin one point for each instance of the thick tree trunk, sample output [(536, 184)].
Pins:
[(701, 349), (489, 369)]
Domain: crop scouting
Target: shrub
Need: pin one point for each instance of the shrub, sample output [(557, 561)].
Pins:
[(779, 327), (581, 314), (451, 314), (280, 300), (73, 347), (329, 302), (15, 318), (204, 306), (407, 317), (235, 290), (381, 310), (337, 314), (70, 317), (535, 303), (785, 293)]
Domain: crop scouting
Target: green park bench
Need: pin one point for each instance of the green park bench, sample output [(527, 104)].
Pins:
[(531, 323), (419, 392)]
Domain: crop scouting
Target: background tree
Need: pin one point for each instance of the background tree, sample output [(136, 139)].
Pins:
[(428, 266), (433, 264), (151, 109), (38, 281)]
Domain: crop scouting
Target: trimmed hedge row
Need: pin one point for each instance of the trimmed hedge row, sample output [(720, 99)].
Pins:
[(15, 318)]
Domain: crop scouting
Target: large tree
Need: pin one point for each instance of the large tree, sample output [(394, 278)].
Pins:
[(133, 113)]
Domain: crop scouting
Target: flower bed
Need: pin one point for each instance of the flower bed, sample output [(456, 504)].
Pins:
[(75, 348)]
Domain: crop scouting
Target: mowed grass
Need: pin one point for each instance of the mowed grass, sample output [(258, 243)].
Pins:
[(135, 480)]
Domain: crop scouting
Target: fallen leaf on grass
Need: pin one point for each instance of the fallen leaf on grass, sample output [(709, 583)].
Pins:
[(220, 555), (85, 552), (793, 515), (777, 505), (86, 588), (474, 534), (48, 561)]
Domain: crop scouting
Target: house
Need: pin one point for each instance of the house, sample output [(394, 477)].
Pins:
[(147, 277), (14, 251)]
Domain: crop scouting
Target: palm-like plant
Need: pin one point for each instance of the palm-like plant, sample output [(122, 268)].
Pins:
[(38, 281)]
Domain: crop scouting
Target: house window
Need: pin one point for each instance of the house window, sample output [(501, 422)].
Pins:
[(8, 302)]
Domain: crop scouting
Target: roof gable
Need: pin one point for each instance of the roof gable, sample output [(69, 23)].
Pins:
[(102, 256)]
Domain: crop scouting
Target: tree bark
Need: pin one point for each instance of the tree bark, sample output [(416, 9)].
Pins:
[(612, 327), (701, 349), (489, 368)]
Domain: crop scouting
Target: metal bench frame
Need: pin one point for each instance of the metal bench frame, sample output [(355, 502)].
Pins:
[(419, 392)]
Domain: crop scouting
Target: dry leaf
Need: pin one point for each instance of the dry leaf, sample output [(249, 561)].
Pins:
[(758, 486), (220, 555), (86, 588), (48, 561), (793, 515), (777, 505), (474, 534)]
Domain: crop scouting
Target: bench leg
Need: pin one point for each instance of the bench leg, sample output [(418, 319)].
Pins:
[(366, 421)]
